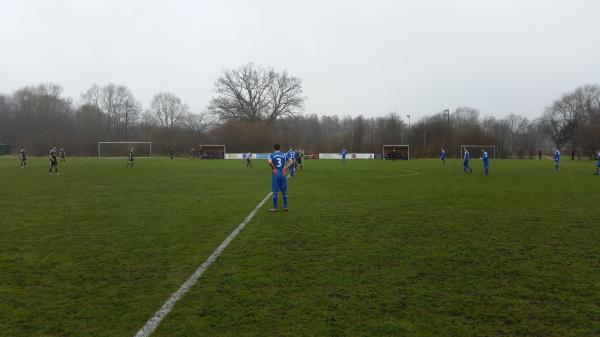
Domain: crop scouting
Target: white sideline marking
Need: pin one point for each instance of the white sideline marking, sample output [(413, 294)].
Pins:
[(153, 322), (415, 173)]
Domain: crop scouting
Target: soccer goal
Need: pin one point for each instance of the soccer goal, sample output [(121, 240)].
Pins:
[(211, 151), (394, 152), (117, 150), (475, 151)]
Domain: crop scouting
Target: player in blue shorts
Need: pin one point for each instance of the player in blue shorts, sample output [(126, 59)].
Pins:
[(279, 163), (291, 154), (466, 158), (486, 162), (556, 160), (443, 156), (598, 165), (344, 153)]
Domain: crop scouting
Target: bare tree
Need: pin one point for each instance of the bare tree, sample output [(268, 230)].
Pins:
[(118, 104), (257, 94), (358, 133), (285, 96), (168, 109), (518, 127), (132, 109)]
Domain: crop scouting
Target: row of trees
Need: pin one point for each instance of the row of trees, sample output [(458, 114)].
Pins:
[(39, 117), (573, 121), (254, 107), (513, 136)]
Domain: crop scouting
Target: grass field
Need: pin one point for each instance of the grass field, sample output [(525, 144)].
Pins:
[(368, 248)]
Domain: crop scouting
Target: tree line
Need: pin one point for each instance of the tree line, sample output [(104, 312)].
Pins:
[(254, 107)]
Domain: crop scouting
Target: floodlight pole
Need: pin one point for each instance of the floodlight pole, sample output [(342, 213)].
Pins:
[(407, 116), (448, 112)]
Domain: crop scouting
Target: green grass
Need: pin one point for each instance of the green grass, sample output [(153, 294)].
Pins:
[(366, 249)]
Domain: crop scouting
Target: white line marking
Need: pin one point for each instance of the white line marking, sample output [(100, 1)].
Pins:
[(153, 322)]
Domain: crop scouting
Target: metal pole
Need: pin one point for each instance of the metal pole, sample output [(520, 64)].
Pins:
[(448, 112), (408, 116)]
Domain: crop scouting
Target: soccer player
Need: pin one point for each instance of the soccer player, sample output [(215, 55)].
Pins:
[(130, 158), (598, 165), (193, 154), (486, 162), (443, 156), (344, 153), (53, 162), (62, 154), (291, 154), (466, 158), (556, 160), (299, 156), (23, 158), (249, 159), (279, 163)]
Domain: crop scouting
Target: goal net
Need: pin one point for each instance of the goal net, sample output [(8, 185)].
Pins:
[(117, 150), (476, 150), (396, 152), (211, 151)]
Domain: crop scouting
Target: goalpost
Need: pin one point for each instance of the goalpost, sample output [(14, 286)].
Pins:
[(472, 148), (211, 151), (117, 150), (393, 152)]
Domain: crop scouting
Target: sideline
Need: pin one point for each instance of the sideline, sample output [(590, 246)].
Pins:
[(154, 322)]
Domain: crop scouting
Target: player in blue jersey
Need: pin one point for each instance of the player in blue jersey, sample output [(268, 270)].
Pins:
[(344, 153), (443, 156), (279, 163), (486, 162), (291, 154), (556, 160), (598, 165), (466, 158)]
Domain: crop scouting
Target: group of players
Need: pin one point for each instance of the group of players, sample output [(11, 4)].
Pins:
[(297, 155), (281, 163), (53, 157), (486, 161), (467, 161)]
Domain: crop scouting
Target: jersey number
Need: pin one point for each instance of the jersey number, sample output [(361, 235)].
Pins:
[(278, 162)]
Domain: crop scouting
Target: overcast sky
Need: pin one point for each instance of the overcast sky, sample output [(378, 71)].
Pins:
[(355, 57)]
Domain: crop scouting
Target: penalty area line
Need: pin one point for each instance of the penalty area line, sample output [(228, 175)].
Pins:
[(154, 322)]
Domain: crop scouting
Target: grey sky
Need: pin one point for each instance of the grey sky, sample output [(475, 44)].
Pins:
[(355, 57)]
